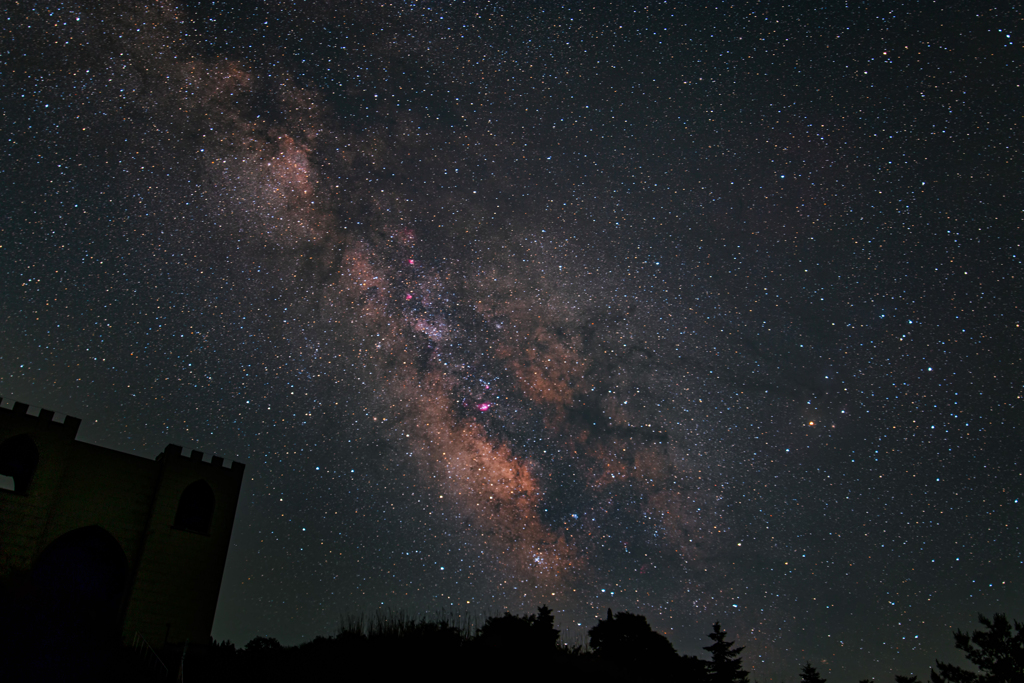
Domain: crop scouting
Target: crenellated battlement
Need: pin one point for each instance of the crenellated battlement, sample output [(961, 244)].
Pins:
[(68, 428), (174, 450)]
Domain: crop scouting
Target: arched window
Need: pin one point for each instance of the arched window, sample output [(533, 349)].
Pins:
[(195, 508), (18, 460)]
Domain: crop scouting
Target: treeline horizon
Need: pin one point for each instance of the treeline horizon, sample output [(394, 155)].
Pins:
[(395, 645), (621, 644)]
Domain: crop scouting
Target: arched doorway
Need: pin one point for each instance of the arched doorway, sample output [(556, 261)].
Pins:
[(80, 581), (63, 617)]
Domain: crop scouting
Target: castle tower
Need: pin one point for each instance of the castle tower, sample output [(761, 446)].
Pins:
[(134, 545)]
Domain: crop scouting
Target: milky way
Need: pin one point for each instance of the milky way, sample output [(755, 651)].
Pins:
[(707, 317)]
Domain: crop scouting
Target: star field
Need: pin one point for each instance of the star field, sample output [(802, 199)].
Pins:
[(705, 313)]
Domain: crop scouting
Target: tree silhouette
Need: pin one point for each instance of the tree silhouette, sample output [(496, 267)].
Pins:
[(544, 629), (726, 666), (998, 652), (263, 644), (511, 634), (907, 679), (628, 638), (808, 674)]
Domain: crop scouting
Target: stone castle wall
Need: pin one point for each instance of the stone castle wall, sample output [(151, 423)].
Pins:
[(171, 517)]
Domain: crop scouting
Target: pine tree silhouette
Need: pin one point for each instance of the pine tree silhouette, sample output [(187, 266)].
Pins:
[(726, 666), (808, 674), (998, 652), (544, 629)]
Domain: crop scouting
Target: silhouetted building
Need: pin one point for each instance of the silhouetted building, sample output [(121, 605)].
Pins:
[(98, 541)]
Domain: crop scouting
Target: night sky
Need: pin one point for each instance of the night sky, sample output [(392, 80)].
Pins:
[(705, 312)]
